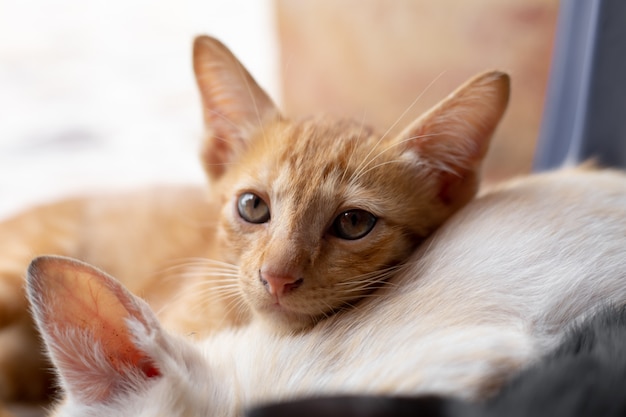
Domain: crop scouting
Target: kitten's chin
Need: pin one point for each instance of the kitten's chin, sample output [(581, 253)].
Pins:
[(279, 319)]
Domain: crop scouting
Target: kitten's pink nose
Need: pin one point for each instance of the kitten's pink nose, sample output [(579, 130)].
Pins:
[(279, 284)]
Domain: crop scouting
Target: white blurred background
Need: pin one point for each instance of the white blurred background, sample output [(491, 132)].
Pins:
[(100, 94)]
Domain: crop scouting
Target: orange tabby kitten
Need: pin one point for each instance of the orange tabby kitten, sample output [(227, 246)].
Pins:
[(489, 291), (304, 217)]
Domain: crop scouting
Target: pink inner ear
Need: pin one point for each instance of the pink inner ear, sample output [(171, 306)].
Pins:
[(215, 156), (151, 371), (74, 298), (455, 190)]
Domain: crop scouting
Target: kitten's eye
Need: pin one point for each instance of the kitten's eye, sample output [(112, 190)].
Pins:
[(252, 208), (353, 224)]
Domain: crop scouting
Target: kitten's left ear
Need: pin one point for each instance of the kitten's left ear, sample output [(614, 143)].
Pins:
[(85, 318), (453, 137), (234, 105)]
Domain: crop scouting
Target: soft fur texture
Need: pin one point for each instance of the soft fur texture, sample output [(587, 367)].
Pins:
[(314, 174), (584, 376), (202, 266), (487, 292)]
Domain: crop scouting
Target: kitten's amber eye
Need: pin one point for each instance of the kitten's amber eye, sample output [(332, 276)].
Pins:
[(252, 208), (353, 224)]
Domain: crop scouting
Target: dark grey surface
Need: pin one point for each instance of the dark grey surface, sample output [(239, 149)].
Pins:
[(585, 108)]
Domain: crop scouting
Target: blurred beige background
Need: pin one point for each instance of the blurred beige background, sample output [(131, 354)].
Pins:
[(371, 58), (101, 94)]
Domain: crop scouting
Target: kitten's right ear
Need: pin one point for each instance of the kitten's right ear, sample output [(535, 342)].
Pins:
[(97, 333), (234, 105), (453, 137)]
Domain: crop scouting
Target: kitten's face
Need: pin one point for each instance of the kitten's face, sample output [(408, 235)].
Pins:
[(114, 359), (316, 213)]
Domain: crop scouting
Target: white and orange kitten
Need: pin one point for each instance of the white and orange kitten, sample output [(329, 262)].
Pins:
[(315, 213), (303, 218), (488, 291)]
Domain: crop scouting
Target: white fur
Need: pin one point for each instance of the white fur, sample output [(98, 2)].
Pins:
[(484, 295)]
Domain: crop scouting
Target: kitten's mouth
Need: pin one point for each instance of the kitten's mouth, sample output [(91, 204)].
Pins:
[(284, 315), (276, 306)]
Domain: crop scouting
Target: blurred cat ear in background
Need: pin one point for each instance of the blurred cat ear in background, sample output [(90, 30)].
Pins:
[(85, 319)]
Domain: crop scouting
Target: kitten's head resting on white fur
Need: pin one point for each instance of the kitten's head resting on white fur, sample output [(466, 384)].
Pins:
[(318, 212), (503, 277), (114, 359)]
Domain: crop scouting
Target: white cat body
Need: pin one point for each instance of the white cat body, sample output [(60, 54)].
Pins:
[(488, 292), (225, 375)]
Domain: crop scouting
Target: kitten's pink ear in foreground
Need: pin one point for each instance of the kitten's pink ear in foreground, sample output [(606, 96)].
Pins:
[(453, 137), (84, 317), (234, 105)]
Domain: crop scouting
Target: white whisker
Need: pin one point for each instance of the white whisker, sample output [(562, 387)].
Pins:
[(366, 159), (207, 261), (395, 161), (245, 77), (353, 148), (363, 169)]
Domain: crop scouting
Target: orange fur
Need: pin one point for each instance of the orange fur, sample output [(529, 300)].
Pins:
[(201, 266), (491, 290), (308, 172)]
